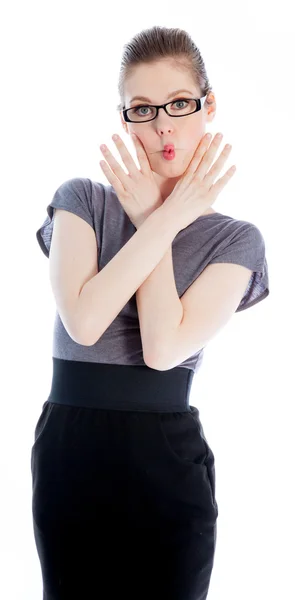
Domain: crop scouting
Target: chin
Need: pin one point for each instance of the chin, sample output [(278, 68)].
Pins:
[(171, 172), (174, 166)]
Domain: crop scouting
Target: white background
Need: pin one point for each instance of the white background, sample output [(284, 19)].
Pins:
[(60, 65)]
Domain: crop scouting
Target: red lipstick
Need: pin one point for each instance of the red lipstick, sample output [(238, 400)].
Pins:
[(169, 152)]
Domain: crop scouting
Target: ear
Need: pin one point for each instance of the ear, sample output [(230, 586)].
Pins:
[(210, 108)]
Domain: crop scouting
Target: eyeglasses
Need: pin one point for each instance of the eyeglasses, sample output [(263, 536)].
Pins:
[(190, 106)]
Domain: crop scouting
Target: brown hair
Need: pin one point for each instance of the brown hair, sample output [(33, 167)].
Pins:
[(158, 43)]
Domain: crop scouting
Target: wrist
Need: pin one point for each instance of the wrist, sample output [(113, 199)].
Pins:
[(160, 223), (167, 214)]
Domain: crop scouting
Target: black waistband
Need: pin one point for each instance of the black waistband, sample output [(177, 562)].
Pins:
[(120, 387)]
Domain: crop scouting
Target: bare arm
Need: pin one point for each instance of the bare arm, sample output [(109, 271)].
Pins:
[(103, 297), (159, 308)]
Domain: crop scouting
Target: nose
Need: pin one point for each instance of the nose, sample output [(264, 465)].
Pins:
[(163, 123)]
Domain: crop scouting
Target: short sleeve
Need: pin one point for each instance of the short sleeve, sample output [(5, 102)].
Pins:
[(247, 247), (73, 195)]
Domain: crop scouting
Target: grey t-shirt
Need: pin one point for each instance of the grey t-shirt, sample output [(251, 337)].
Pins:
[(212, 238)]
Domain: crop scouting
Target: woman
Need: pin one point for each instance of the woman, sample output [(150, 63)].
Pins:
[(123, 476)]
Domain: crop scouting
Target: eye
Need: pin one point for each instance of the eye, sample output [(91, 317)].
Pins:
[(182, 100), (137, 110)]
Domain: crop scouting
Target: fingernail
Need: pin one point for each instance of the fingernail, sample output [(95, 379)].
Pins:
[(115, 137)]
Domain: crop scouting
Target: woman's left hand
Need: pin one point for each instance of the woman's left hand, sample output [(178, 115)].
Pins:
[(137, 191)]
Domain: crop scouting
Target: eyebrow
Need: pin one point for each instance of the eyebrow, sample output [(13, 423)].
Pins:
[(170, 95)]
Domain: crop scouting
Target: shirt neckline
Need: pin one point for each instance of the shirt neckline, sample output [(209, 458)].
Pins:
[(210, 215)]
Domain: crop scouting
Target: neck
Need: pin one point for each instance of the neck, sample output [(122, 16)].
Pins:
[(166, 186)]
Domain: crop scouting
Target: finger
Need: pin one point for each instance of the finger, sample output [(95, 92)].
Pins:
[(141, 155), (202, 169), (112, 179), (126, 157), (116, 168), (198, 155), (217, 187), (217, 166)]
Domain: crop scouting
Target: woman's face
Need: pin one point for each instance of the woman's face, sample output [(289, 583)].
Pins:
[(156, 82)]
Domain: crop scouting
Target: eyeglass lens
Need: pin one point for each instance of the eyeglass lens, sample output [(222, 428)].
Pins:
[(177, 108)]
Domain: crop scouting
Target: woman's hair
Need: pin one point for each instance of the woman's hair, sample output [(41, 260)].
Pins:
[(158, 43)]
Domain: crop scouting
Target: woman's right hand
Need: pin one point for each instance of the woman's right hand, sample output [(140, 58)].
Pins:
[(137, 191), (196, 191)]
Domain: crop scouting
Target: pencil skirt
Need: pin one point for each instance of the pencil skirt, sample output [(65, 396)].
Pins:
[(123, 486)]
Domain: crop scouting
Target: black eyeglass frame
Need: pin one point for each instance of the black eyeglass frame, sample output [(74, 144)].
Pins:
[(199, 104)]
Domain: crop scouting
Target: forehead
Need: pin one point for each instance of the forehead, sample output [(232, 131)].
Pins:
[(157, 80)]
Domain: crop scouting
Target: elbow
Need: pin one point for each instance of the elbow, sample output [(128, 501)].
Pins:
[(79, 339), (74, 332), (156, 363), (152, 366), (84, 343), (86, 337), (164, 361), (79, 335), (84, 340), (75, 326)]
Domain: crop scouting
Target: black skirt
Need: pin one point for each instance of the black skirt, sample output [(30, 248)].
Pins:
[(123, 498)]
